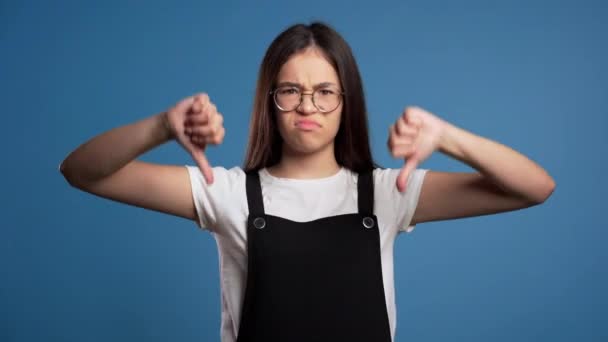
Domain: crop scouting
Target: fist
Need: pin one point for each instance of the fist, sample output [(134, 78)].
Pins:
[(414, 137), (204, 124), (195, 122)]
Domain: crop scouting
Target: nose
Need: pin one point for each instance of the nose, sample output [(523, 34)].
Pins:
[(306, 105)]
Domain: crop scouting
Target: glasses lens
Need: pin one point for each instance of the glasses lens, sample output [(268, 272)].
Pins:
[(327, 99), (287, 98)]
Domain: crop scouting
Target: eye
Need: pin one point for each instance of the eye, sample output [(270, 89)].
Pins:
[(326, 91), (288, 91)]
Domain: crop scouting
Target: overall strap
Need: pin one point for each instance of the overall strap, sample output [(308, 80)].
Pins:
[(365, 193), (255, 200)]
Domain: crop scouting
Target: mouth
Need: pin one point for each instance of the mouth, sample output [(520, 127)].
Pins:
[(307, 125)]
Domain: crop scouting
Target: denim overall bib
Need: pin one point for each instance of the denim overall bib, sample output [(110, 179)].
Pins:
[(310, 281)]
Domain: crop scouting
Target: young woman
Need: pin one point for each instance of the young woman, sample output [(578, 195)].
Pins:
[(305, 229)]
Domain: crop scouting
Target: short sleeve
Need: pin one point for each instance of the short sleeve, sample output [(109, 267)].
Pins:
[(211, 200), (403, 203)]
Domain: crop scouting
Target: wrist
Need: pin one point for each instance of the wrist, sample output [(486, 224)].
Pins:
[(166, 126), (449, 142)]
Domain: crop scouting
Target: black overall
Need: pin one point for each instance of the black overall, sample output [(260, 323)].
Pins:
[(314, 281)]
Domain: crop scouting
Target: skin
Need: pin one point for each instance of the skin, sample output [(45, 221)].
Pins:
[(308, 154), (503, 180), (506, 180)]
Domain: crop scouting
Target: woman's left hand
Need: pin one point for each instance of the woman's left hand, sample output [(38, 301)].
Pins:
[(414, 137)]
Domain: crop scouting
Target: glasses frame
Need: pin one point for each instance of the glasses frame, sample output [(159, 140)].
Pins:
[(312, 97)]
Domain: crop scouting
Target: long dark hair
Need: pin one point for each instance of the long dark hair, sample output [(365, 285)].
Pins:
[(351, 145)]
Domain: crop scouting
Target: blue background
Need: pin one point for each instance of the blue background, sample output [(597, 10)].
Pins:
[(529, 74)]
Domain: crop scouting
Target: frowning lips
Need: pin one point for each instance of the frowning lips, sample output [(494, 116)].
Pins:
[(307, 123)]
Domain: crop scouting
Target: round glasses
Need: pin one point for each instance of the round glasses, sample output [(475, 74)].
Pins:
[(325, 99)]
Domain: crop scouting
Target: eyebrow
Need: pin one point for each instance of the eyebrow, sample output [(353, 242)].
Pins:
[(298, 85)]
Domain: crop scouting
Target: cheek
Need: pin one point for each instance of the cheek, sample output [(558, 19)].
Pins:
[(335, 123), (283, 125)]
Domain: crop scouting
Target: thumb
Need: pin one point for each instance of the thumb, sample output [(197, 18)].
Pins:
[(203, 164), (184, 105), (404, 174), (198, 154)]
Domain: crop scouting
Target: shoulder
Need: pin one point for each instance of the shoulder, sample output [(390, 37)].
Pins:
[(228, 184), (222, 177), (387, 177), (214, 201), (398, 207), (385, 181)]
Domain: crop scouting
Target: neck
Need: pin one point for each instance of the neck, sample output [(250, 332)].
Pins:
[(300, 165)]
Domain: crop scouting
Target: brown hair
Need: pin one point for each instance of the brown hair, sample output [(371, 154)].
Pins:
[(351, 145)]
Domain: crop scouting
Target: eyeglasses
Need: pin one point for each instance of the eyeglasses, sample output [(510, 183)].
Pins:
[(325, 99)]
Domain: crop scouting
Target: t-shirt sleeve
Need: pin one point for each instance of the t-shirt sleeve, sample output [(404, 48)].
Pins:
[(403, 203), (211, 200)]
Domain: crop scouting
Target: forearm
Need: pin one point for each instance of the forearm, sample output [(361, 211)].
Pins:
[(111, 150), (513, 172)]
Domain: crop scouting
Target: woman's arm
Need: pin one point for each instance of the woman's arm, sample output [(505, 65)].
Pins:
[(108, 152), (506, 180), (106, 164)]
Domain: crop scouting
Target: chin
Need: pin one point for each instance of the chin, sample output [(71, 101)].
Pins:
[(307, 147)]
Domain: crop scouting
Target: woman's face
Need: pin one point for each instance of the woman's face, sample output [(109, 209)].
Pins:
[(306, 129)]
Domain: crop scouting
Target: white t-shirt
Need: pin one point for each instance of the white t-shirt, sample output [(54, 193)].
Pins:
[(222, 210)]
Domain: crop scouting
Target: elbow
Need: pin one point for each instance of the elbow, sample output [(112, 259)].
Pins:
[(65, 172), (544, 191), (69, 174), (548, 188)]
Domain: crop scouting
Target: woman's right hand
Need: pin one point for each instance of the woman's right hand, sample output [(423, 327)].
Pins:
[(194, 122)]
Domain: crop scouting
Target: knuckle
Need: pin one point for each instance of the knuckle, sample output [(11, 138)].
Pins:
[(201, 119), (399, 128)]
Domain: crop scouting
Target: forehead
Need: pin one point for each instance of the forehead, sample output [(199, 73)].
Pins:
[(309, 67)]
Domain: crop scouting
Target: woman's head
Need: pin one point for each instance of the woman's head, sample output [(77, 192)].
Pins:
[(302, 59)]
